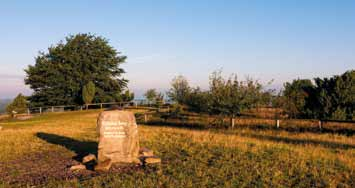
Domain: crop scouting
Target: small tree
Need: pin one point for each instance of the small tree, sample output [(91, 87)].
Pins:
[(18, 105), (179, 90), (159, 100), (88, 93), (127, 96), (151, 95), (230, 97)]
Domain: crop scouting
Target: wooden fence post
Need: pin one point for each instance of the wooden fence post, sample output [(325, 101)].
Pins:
[(28, 111), (277, 123), (101, 105), (40, 110), (52, 109), (232, 122), (320, 124), (145, 118)]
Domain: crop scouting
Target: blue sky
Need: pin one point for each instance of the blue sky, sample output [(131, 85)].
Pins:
[(273, 39)]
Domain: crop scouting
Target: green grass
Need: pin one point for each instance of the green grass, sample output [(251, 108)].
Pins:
[(244, 157)]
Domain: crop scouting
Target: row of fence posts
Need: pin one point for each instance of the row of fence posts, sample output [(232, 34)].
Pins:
[(81, 108), (320, 124), (277, 121)]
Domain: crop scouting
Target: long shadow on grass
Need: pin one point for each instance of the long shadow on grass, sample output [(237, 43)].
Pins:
[(195, 126), (295, 141), (292, 129), (300, 129), (81, 148)]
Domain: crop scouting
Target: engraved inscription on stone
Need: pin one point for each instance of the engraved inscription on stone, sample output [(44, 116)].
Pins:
[(114, 129)]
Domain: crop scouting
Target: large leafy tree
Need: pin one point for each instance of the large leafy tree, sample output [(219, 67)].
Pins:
[(60, 74)]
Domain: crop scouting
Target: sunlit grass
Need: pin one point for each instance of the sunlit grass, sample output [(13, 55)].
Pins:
[(243, 157)]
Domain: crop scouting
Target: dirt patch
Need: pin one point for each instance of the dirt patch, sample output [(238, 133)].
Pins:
[(39, 168)]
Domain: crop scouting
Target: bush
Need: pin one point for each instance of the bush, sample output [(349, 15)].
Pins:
[(339, 114), (18, 105)]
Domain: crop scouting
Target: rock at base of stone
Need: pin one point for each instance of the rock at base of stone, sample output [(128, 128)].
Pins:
[(78, 167), (103, 166), (89, 158), (145, 152), (152, 160)]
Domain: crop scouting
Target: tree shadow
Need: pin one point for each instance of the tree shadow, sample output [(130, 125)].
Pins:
[(81, 148), (295, 141)]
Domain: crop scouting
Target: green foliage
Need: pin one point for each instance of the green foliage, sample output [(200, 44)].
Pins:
[(88, 92), (59, 75), (151, 95), (179, 90), (298, 98), (329, 98), (127, 96), (336, 95), (176, 110), (339, 114), (198, 101), (230, 96), (19, 105)]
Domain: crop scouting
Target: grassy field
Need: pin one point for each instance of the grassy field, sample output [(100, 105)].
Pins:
[(40, 151)]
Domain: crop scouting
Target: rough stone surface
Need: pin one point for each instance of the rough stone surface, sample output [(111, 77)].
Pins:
[(145, 152), (152, 160), (89, 158), (78, 167), (118, 138), (104, 166)]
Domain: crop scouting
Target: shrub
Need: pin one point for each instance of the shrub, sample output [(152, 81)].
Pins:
[(18, 105)]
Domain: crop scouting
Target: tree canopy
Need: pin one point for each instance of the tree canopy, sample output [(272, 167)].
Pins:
[(59, 75), (325, 98), (230, 96)]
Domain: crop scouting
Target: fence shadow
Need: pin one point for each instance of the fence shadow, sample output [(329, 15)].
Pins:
[(256, 127), (300, 129), (182, 125), (81, 148), (287, 140)]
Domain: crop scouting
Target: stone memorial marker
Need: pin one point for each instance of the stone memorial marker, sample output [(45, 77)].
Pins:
[(118, 139)]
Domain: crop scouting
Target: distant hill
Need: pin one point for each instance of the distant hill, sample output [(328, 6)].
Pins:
[(3, 103)]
